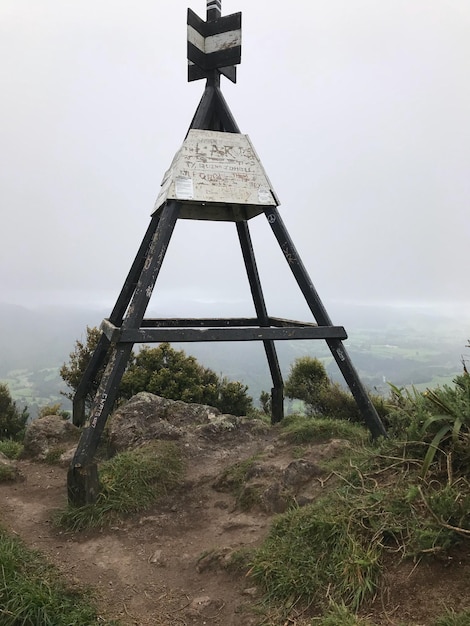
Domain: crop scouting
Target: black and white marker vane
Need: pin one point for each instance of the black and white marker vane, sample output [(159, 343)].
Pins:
[(214, 44)]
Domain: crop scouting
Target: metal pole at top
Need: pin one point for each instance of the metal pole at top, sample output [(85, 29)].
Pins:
[(214, 10)]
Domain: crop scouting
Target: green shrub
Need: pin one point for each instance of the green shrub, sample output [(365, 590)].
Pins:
[(307, 379), (53, 409), (309, 382), (172, 374), (163, 371), (12, 420), (438, 420)]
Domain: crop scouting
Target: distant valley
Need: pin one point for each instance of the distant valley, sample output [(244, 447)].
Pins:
[(403, 346)]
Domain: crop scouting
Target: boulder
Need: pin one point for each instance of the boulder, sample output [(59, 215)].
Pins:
[(299, 472), (47, 435), (146, 417)]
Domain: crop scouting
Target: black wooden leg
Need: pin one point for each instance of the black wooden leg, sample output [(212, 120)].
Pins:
[(277, 392), (82, 477), (116, 317), (319, 312), (91, 371)]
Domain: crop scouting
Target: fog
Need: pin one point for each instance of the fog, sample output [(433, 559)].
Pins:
[(358, 109)]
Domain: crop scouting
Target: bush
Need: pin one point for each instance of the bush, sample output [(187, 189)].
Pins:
[(309, 382), (12, 420), (436, 423), (174, 375), (163, 371), (72, 372), (53, 409), (306, 381)]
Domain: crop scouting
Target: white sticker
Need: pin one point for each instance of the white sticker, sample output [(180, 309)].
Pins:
[(264, 195), (184, 188)]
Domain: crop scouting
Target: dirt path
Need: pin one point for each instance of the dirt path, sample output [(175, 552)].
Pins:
[(147, 570), (157, 569)]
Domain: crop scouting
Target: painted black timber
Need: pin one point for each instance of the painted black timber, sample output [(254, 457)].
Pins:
[(216, 26), (205, 110), (82, 474), (214, 60), (319, 312), (157, 335), (214, 9), (280, 321), (277, 408), (209, 322), (227, 121), (202, 64), (98, 357)]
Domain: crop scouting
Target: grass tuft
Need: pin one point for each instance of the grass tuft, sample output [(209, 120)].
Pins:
[(7, 473), (53, 456), (454, 619), (130, 482), (333, 549), (312, 554), (339, 615), (11, 449), (299, 429), (32, 593)]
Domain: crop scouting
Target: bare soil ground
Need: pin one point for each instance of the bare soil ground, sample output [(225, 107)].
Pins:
[(158, 568)]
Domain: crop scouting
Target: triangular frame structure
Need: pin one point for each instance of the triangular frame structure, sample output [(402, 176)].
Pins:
[(126, 325)]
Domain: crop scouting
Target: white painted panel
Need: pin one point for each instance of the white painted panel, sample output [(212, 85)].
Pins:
[(219, 168), (196, 38), (223, 41)]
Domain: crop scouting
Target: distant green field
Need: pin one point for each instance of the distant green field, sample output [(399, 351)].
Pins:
[(437, 381), (423, 354), (36, 389)]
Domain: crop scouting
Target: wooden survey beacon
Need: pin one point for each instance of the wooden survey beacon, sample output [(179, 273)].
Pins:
[(216, 175)]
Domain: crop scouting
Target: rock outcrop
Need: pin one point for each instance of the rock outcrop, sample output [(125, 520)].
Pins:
[(49, 435), (146, 417)]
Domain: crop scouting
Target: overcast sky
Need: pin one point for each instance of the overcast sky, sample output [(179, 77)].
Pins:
[(358, 109)]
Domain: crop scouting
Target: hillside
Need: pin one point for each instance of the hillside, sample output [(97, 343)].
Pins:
[(184, 561)]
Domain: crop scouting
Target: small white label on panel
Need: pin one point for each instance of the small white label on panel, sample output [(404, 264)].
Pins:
[(264, 195), (184, 188)]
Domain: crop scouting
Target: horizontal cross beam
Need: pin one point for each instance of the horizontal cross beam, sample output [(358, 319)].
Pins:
[(158, 335), (208, 322)]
